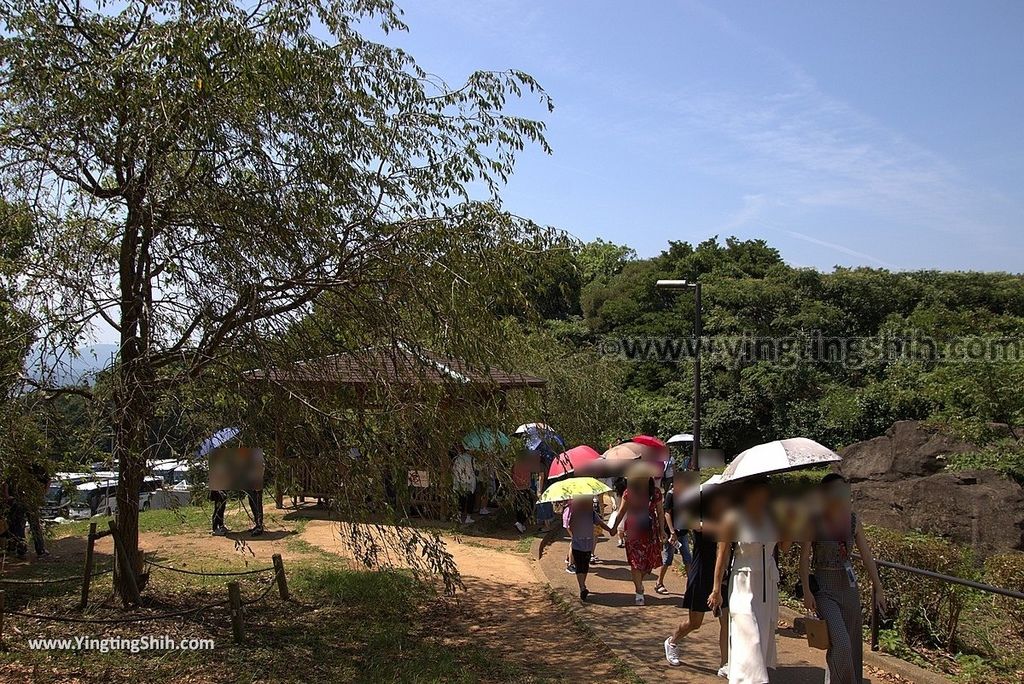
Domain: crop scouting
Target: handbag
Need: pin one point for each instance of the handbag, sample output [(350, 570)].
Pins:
[(817, 633)]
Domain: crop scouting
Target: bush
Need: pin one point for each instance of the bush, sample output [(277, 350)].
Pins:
[(1007, 571), (923, 611), (1005, 457)]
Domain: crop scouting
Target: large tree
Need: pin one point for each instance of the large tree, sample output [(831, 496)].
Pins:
[(199, 173)]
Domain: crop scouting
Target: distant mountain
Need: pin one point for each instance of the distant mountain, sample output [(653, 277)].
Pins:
[(75, 368)]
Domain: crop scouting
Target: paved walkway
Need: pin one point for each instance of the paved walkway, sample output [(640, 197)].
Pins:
[(637, 633)]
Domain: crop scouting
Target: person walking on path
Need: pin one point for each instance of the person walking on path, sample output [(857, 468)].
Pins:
[(582, 518), (831, 592), (677, 534), (523, 470), (640, 514), (700, 578), (751, 537)]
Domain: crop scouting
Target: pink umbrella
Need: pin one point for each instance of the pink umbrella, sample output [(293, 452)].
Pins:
[(566, 462)]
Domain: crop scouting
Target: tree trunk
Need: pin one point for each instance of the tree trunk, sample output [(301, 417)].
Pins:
[(130, 448), (134, 384)]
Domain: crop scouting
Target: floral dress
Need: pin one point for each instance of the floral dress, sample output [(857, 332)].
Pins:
[(643, 547)]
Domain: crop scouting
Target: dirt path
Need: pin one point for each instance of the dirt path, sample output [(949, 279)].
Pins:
[(506, 607)]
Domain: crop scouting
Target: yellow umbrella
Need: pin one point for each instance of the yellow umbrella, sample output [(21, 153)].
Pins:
[(573, 487)]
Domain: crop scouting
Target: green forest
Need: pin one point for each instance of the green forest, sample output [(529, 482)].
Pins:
[(592, 297)]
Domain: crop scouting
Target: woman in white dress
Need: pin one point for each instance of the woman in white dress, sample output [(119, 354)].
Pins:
[(750, 536)]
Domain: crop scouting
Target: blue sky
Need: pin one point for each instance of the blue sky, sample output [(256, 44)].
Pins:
[(858, 133)]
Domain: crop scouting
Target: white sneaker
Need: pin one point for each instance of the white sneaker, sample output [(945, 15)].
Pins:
[(468, 521), (672, 652), (723, 671), (521, 527), (485, 511), (639, 600)]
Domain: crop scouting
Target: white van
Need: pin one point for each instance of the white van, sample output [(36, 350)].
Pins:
[(99, 497), (60, 493)]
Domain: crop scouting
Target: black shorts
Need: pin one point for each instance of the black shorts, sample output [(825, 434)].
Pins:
[(581, 559)]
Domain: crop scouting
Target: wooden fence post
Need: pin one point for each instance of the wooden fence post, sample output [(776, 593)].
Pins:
[(87, 577), (122, 564), (282, 581), (235, 599)]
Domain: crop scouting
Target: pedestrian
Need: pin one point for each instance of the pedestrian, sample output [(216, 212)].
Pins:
[(581, 519), (256, 505), (41, 479), (618, 486), (524, 499), (464, 482), (831, 592), (750, 537), (486, 486), (700, 579), (220, 505), (677, 536), (641, 517), (545, 511)]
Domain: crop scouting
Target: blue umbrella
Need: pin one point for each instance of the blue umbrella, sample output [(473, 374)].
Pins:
[(536, 434), (217, 440)]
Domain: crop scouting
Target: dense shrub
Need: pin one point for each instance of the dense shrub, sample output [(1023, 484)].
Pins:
[(1007, 571), (924, 611)]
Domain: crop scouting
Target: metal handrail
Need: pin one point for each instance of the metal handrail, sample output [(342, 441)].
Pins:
[(952, 579), (933, 575)]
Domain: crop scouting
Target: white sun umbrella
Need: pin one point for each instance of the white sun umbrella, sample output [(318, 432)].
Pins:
[(778, 457), (680, 438)]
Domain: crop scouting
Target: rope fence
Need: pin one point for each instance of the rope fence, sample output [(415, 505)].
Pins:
[(56, 580), (234, 600), (239, 573)]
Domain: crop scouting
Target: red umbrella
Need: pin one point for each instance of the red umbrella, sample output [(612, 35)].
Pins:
[(655, 445), (566, 462)]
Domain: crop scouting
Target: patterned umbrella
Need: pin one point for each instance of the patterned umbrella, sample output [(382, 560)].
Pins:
[(778, 457)]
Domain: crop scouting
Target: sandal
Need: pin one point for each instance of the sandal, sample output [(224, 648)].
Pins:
[(660, 589)]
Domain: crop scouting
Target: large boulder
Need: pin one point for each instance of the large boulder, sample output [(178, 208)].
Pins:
[(907, 449), (976, 507)]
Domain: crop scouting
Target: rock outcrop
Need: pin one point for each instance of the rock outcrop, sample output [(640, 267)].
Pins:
[(899, 481), (907, 449)]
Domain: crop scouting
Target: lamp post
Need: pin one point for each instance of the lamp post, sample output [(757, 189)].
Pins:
[(676, 285)]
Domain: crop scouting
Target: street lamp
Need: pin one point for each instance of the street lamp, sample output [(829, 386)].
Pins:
[(677, 285)]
